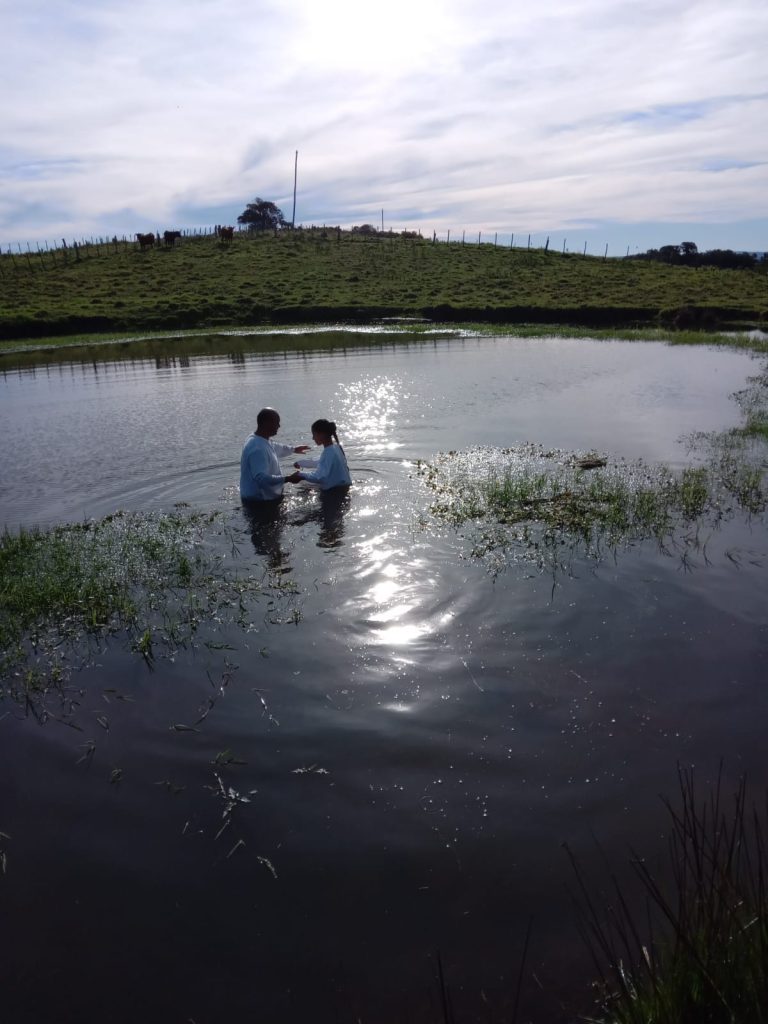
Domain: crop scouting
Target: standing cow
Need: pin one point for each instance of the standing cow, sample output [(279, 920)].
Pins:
[(145, 241), (226, 234), (169, 237)]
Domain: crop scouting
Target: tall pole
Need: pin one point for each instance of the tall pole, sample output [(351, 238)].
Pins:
[(295, 173)]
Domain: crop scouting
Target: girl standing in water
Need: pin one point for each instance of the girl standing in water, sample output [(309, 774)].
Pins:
[(331, 469)]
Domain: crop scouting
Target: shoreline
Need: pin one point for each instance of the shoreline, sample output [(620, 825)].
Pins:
[(392, 329)]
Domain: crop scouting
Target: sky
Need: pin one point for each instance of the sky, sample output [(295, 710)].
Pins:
[(626, 123)]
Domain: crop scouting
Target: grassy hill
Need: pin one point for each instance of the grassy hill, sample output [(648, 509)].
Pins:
[(324, 276)]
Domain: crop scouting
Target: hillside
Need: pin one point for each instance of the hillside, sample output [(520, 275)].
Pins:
[(325, 276)]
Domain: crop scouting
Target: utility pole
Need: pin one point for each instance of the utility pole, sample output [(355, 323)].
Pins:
[(295, 173)]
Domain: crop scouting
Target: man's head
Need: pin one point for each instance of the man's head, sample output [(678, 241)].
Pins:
[(267, 422)]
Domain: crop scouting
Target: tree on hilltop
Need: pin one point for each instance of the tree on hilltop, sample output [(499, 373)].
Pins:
[(261, 215)]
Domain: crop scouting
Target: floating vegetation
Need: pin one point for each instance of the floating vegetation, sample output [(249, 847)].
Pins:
[(545, 505), (739, 457), (698, 951), (535, 502), (155, 578)]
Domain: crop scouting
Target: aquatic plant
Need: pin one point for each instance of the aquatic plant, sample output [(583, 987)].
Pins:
[(546, 505), (542, 503), (698, 950), (155, 577)]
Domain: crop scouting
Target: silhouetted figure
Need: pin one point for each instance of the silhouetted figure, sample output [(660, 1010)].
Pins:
[(266, 520), (260, 476)]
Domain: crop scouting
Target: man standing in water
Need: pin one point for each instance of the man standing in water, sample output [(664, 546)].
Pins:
[(260, 475)]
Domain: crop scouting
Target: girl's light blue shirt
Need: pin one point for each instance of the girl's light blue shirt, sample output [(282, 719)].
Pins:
[(331, 471)]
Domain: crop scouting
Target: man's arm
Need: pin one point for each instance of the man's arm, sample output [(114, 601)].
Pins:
[(282, 451)]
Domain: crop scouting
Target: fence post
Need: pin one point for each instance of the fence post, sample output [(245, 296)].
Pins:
[(495, 239), (512, 240), (564, 241), (479, 236), (605, 255), (463, 233), (529, 243), (448, 240), (585, 248)]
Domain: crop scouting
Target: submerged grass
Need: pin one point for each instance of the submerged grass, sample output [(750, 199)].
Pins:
[(699, 952), (545, 505), (538, 503), (154, 577)]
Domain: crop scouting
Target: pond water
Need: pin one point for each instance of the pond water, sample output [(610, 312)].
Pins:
[(416, 738)]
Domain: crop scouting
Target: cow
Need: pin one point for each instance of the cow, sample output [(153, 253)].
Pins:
[(145, 241), (169, 237), (226, 234)]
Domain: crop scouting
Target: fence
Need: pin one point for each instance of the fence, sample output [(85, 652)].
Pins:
[(46, 256)]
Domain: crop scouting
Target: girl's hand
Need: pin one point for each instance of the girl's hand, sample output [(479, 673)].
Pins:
[(297, 465), (300, 449), (294, 478)]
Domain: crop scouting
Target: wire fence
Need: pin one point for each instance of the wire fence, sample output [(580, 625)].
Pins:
[(45, 256)]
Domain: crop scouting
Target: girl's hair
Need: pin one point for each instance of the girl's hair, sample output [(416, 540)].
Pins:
[(327, 427)]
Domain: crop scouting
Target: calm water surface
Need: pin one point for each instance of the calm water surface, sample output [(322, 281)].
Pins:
[(432, 735)]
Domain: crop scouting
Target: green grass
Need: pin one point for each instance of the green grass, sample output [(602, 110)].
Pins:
[(544, 506), (154, 577), (305, 277), (698, 954), (539, 500)]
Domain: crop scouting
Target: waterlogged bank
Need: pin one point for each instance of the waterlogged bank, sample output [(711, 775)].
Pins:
[(298, 338)]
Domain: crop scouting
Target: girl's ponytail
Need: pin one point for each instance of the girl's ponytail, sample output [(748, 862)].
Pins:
[(335, 436)]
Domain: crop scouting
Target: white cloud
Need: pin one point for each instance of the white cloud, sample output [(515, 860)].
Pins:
[(493, 115)]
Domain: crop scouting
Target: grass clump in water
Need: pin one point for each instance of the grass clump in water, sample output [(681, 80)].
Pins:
[(543, 504), (699, 950), (150, 575), (536, 501)]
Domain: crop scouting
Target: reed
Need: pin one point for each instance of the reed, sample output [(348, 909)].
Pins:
[(698, 950)]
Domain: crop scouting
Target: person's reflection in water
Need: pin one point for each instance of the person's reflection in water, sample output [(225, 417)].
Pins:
[(327, 508), (266, 520), (333, 505)]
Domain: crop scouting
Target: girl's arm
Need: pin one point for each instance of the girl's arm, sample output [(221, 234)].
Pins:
[(321, 473), (306, 463)]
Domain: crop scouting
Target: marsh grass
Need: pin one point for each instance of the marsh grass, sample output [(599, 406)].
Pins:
[(542, 506), (546, 506), (157, 578), (697, 952)]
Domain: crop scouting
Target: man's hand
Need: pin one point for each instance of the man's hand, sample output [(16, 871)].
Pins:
[(300, 449)]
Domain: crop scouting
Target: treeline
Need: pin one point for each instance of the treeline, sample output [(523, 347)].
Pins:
[(687, 255)]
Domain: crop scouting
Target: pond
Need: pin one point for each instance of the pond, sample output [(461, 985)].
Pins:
[(289, 824)]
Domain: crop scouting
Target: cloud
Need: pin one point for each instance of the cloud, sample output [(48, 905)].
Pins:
[(486, 115)]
